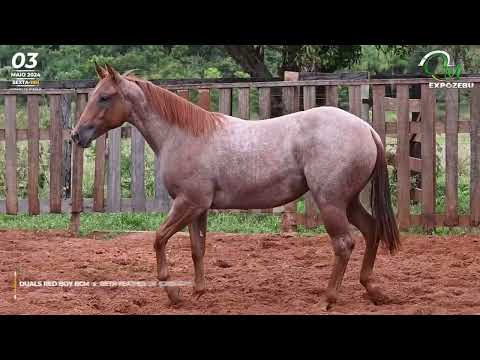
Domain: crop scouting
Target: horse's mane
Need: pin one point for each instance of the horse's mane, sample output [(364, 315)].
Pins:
[(179, 111)]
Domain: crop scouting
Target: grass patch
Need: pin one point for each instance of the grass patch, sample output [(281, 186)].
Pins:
[(121, 222), (115, 224)]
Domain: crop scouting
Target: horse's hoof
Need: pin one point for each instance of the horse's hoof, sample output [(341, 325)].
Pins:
[(324, 306), (377, 297), (174, 295)]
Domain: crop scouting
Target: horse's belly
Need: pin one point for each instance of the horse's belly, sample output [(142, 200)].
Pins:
[(260, 196)]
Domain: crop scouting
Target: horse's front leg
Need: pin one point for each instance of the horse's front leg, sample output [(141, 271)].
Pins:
[(198, 233), (181, 214)]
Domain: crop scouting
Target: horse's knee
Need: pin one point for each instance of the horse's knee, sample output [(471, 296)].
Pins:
[(159, 243), (343, 245)]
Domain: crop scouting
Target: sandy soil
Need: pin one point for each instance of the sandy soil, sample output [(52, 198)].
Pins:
[(245, 274)]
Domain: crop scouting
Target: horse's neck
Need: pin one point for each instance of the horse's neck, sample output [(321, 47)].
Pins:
[(154, 129)]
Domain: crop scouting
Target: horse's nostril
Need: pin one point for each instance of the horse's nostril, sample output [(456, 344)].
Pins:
[(75, 137)]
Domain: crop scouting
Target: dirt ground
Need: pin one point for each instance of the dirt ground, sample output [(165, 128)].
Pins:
[(245, 274)]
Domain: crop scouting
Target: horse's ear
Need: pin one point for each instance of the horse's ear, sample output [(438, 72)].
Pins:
[(113, 73), (128, 72), (101, 72)]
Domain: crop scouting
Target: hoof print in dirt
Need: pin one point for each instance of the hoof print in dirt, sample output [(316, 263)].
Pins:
[(377, 298), (140, 302), (223, 264), (126, 308), (120, 262)]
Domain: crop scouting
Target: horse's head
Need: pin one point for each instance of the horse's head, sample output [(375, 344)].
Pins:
[(107, 107)]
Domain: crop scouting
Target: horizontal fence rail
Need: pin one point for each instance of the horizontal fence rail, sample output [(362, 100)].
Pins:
[(387, 104)]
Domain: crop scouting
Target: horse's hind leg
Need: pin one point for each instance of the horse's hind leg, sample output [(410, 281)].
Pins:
[(337, 226), (365, 222), (181, 214), (198, 232)]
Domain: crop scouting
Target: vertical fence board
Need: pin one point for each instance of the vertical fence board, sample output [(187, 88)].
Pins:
[(331, 95), (225, 101), (77, 171), (403, 157), (309, 101), (138, 171), (378, 115), (33, 154), (428, 157), (56, 154), (365, 107), (451, 156), (65, 113), (99, 177), (244, 103), (265, 103), (113, 176), (475, 157), (204, 98), (11, 154), (355, 100), (289, 220)]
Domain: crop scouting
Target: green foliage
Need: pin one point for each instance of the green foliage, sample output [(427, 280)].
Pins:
[(154, 61), (327, 58)]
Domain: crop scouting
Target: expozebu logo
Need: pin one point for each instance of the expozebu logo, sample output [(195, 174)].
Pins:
[(448, 71)]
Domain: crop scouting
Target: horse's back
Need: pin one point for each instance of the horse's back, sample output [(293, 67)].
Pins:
[(257, 162)]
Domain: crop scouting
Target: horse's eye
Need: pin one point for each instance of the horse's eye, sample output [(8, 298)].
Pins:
[(103, 98)]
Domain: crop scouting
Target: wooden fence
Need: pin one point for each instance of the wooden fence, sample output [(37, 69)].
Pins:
[(107, 179)]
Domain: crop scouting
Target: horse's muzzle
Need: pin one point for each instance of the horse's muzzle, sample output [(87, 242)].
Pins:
[(83, 137)]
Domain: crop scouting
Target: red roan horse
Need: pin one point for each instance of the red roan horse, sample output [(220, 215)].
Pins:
[(215, 161)]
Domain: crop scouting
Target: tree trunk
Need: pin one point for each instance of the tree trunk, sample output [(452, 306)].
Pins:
[(251, 60)]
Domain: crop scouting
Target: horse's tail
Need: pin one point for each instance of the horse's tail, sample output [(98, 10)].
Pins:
[(386, 229)]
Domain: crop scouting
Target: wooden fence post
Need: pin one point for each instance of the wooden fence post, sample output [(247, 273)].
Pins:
[(428, 157), (114, 190), (403, 157), (11, 154), (451, 156), (56, 154), (33, 153), (77, 172), (65, 109)]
